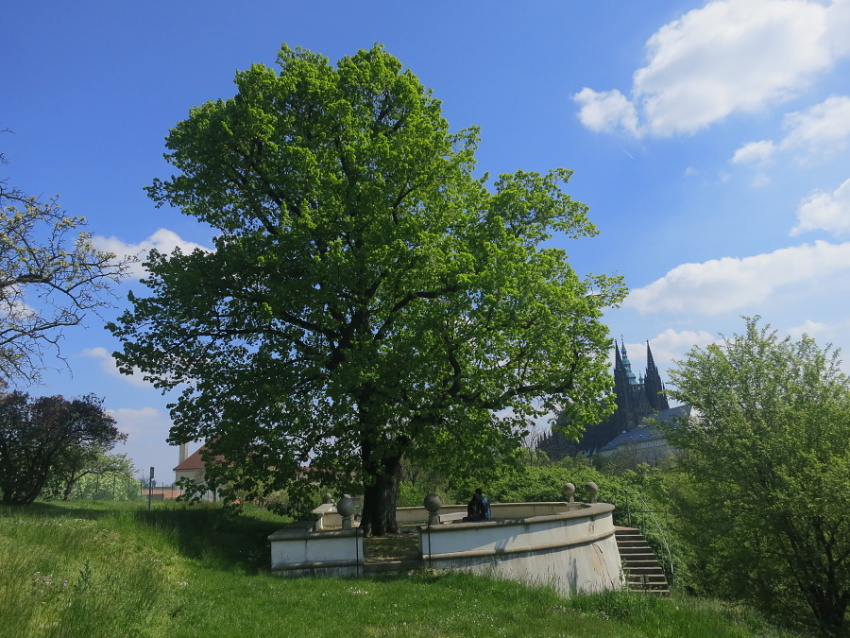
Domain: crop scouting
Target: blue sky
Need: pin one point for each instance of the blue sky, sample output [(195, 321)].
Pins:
[(709, 139)]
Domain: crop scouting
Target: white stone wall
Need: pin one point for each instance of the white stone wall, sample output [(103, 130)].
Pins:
[(298, 551), (573, 551), (572, 548)]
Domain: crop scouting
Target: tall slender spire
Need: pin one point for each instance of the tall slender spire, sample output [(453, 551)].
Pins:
[(628, 366), (650, 362), (653, 385)]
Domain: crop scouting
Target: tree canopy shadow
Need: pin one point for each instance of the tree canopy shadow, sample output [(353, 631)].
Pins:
[(214, 536), (205, 531)]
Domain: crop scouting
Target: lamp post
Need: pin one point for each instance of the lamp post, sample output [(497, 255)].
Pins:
[(150, 490)]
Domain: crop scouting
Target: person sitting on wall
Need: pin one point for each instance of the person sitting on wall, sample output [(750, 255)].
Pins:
[(471, 509), (478, 508)]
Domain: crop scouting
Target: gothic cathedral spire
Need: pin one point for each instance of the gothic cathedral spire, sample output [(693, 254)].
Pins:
[(652, 384)]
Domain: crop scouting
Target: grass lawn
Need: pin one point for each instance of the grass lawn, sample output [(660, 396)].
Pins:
[(116, 570)]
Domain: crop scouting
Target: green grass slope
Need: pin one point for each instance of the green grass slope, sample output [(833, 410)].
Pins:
[(117, 570)]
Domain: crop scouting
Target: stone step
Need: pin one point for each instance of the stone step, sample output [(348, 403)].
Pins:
[(638, 559), (657, 581), (642, 570), (636, 552), (641, 562), (638, 542)]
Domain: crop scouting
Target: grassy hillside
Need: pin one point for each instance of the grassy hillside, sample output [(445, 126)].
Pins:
[(117, 570)]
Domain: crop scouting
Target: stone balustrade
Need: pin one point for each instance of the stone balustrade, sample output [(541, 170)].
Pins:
[(573, 550), (568, 545)]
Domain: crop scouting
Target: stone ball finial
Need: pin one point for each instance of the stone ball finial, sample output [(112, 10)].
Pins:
[(328, 497), (345, 507), (432, 503), (569, 492), (592, 490)]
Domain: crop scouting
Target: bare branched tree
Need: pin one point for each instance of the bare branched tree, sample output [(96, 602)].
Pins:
[(51, 277)]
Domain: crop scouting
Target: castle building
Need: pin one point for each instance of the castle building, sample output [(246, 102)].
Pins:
[(636, 398)]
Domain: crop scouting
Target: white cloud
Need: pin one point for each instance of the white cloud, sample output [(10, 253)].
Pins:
[(671, 345), (825, 211), (833, 334), (668, 346), (726, 57), (107, 364), (164, 240), (820, 131), (728, 284), (138, 421), (606, 111), (839, 27), (14, 308), (146, 445), (761, 180), (814, 329), (755, 153)]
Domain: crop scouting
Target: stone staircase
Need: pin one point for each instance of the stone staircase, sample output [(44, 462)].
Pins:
[(640, 565)]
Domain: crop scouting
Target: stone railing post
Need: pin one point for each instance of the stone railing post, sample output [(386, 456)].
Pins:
[(433, 503), (346, 508)]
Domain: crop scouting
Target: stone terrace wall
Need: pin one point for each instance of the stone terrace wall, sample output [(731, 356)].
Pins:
[(573, 551), (570, 546)]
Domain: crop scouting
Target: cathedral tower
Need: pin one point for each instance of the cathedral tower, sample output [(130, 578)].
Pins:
[(636, 398)]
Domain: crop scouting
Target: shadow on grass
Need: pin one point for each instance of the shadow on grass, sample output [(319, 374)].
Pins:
[(213, 536), (205, 531), (402, 546), (92, 510)]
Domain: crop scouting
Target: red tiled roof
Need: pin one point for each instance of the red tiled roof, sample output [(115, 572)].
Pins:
[(193, 461)]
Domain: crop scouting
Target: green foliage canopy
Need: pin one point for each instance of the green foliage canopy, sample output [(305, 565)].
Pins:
[(769, 454), (37, 435), (368, 298), (75, 463)]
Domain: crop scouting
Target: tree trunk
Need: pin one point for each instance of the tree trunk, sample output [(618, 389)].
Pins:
[(380, 496), (69, 488), (21, 497), (830, 617), (18, 494)]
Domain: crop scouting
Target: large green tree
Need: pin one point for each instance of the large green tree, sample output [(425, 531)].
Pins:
[(769, 454), (37, 434), (84, 459), (368, 297)]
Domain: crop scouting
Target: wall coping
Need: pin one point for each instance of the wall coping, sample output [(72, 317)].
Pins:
[(523, 549), (588, 510), (305, 532), (560, 505)]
